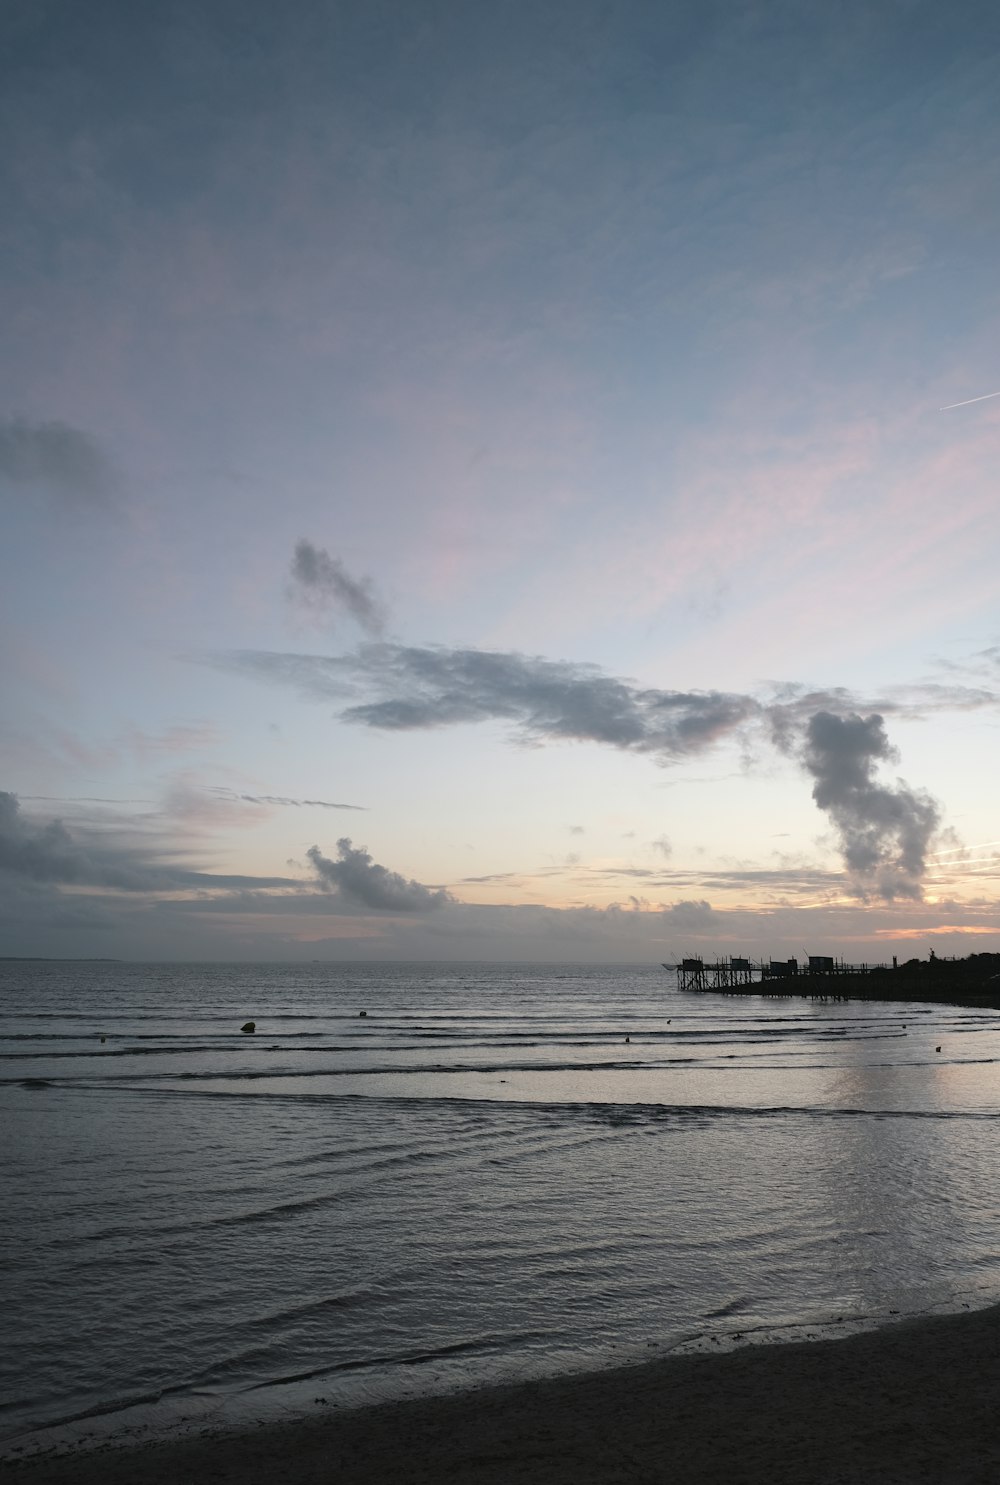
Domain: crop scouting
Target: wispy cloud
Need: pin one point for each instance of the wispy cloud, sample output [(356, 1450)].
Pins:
[(281, 800), (81, 799), (182, 737), (56, 458), (322, 585), (769, 883)]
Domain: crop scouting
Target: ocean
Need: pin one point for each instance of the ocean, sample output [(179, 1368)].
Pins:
[(414, 1177)]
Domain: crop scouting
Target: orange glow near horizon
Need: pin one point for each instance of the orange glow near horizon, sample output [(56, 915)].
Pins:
[(942, 930)]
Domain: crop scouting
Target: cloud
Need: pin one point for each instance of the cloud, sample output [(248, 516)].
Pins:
[(321, 584), (790, 706), (771, 883), (40, 853), (884, 832), (418, 688), (82, 799), (690, 914), (357, 877), (49, 852), (662, 844), (281, 799), (57, 458)]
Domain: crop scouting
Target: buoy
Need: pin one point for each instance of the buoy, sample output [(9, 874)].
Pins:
[(937, 1049), (249, 1026), (362, 1013), (103, 1040), (628, 1038)]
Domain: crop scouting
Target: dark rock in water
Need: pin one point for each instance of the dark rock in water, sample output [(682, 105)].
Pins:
[(35, 1083), (249, 1026)]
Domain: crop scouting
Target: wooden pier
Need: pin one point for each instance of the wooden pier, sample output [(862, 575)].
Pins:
[(737, 976), (973, 981)]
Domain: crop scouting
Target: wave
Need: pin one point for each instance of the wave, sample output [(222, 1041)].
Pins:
[(481, 1346), (601, 1111)]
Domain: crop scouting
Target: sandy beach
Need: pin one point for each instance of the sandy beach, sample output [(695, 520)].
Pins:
[(917, 1401)]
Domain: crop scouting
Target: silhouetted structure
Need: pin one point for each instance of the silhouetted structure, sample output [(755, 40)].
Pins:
[(973, 981), (724, 974)]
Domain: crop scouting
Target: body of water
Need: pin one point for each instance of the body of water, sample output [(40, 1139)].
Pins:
[(493, 1172)]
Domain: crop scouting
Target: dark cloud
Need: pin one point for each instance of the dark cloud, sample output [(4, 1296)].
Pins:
[(323, 585), (409, 688), (56, 458), (884, 832), (49, 852), (543, 699), (405, 687), (40, 909), (356, 876)]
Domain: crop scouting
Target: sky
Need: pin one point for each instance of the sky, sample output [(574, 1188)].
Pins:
[(499, 482)]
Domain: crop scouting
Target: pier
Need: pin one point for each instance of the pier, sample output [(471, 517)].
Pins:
[(973, 981), (817, 978)]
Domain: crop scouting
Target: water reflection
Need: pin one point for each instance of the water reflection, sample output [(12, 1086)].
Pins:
[(482, 1173)]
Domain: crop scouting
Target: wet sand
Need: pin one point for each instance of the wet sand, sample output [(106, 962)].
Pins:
[(913, 1402)]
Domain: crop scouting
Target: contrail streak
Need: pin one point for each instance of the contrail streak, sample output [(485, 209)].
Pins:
[(968, 400), (953, 851)]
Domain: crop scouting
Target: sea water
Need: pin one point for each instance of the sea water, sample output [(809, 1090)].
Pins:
[(412, 1177)]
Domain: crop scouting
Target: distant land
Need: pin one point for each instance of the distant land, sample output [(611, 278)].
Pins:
[(973, 981)]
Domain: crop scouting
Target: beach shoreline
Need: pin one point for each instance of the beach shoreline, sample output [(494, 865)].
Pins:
[(912, 1401)]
